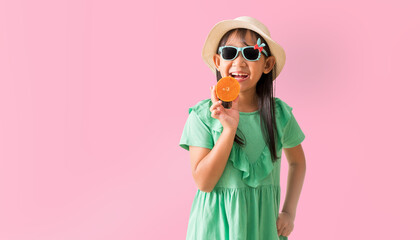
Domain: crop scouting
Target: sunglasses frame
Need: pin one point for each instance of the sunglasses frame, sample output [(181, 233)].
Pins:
[(241, 49)]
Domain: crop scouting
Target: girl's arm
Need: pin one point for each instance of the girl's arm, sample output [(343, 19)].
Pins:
[(295, 177), (208, 165)]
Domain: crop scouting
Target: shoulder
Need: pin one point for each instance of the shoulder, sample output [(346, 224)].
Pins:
[(283, 111), (281, 106), (201, 106), (202, 110)]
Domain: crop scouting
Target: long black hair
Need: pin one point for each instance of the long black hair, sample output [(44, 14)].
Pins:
[(264, 90)]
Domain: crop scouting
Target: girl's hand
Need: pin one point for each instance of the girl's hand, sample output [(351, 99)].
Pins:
[(229, 118), (284, 224)]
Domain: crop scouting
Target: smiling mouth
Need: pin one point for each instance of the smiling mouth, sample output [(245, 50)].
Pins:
[(239, 77)]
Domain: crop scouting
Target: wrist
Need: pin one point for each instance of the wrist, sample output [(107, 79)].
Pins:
[(290, 214), (231, 130)]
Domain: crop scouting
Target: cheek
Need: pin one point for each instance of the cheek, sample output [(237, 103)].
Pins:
[(257, 68), (225, 63), (225, 66)]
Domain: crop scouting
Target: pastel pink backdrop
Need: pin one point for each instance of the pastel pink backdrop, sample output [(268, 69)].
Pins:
[(94, 96)]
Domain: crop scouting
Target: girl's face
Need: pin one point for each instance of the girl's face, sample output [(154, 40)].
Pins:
[(253, 69)]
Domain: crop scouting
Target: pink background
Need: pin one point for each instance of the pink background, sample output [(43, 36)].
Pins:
[(94, 96)]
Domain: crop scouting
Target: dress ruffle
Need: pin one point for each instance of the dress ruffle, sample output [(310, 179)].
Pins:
[(252, 173)]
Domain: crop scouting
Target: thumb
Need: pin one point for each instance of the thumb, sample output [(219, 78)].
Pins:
[(235, 103)]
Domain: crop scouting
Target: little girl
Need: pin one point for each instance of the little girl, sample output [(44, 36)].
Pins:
[(235, 152)]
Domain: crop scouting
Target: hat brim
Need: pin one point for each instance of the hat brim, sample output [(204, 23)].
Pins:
[(217, 32)]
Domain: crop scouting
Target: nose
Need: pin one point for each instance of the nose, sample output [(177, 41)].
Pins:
[(238, 61)]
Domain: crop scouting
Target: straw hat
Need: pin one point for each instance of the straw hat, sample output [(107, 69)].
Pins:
[(217, 32)]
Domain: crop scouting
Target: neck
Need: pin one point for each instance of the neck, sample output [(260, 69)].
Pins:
[(248, 101)]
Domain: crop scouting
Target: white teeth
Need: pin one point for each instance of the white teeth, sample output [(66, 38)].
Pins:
[(239, 74)]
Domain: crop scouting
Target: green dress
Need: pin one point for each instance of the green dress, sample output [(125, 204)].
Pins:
[(245, 202)]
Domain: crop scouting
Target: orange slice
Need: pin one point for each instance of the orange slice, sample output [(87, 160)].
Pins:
[(227, 89)]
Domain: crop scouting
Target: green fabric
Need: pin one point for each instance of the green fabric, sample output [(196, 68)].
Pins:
[(196, 133), (248, 123), (245, 202)]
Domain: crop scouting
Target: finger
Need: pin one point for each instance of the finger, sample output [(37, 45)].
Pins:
[(215, 105), (285, 232), (214, 98), (212, 95), (281, 230), (289, 231), (216, 111), (214, 114)]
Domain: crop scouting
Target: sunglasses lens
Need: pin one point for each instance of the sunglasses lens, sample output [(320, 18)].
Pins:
[(251, 53), (228, 53)]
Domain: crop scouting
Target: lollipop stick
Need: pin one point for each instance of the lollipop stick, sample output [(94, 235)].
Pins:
[(227, 105)]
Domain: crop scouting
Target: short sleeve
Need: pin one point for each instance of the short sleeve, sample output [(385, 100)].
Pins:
[(293, 134), (196, 133)]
